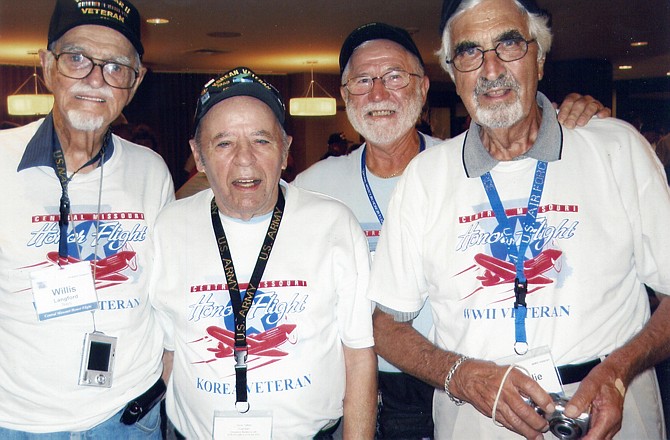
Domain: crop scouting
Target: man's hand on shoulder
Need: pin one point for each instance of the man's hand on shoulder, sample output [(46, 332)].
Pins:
[(577, 110)]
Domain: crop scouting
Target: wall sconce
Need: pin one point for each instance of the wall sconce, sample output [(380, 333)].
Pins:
[(30, 104), (310, 105)]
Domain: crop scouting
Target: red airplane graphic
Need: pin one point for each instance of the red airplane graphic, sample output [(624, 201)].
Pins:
[(498, 271), (108, 269), (261, 344), (501, 272)]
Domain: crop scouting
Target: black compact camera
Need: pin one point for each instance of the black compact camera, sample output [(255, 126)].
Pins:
[(562, 426)]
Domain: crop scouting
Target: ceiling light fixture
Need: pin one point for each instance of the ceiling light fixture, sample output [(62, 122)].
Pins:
[(30, 104), (639, 43), (157, 20), (625, 67), (311, 105)]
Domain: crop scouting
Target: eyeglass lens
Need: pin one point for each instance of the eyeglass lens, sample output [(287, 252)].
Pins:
[(79, 66), (508, 50)]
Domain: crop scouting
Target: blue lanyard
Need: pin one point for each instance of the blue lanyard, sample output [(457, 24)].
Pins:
[(518, 255), (366, 183)]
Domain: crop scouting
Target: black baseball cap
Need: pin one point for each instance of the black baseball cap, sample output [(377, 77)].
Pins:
[(376, 31), (119, 15), (450, 6), (240, 81)]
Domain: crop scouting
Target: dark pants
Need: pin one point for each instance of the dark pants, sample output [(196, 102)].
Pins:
[(405, 408)]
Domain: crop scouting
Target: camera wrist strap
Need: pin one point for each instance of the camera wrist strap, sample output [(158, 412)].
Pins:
[(518, 254), (241, 306)]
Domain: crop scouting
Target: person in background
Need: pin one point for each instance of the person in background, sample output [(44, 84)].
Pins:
[(81, 350), (384, 87), (4, 125), (532, 241), (142, 134), (260, 285), (663, 153), (338, 145)]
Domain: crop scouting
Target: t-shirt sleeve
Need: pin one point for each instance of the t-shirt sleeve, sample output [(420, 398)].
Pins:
[(397, 279)]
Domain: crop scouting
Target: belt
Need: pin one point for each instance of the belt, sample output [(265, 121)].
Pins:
[(576, 372)]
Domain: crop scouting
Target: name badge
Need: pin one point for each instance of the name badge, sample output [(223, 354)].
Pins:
[(252, 425), (60, 291), (539, 365)]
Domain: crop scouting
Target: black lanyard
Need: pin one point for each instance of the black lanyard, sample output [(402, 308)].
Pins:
[(61, 172), (241, 306)]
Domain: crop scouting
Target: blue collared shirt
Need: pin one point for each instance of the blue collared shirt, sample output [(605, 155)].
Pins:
[(39, 151)]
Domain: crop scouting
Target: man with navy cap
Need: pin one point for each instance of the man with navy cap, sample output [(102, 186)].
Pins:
[(384, 87), (81, 350), (533, 242), (261, 285)]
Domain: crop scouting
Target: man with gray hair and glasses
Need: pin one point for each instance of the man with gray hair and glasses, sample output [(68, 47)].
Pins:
[(385, 87), (81, 350), (533, 242)]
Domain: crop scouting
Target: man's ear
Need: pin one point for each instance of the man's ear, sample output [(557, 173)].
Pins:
[(199, 165), (140, 77), (540, 68), (46, 63)]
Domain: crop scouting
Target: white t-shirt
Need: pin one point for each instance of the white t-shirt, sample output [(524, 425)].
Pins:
[(40, 360), (601, 233), (311, 301), (340, 177)]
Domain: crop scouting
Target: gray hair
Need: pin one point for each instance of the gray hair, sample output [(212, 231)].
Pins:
[(538, 26)]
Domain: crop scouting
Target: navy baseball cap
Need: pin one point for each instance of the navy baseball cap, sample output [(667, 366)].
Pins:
[(119, 15), (240, 81), (376, 31), (450, 6)]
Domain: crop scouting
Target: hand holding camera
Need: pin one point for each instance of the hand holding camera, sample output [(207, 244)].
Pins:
[(562, 426)]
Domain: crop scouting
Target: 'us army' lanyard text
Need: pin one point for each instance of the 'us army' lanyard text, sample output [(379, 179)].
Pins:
[(241, 305)]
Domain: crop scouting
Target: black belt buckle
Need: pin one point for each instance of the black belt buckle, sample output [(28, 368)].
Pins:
[(139, 407)]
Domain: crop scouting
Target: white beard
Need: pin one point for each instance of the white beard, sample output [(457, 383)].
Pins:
[(386, 132), (499, 116), (85, 121), (502, 115)]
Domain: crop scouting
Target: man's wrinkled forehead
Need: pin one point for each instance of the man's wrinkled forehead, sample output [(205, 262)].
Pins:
[(489, 23)]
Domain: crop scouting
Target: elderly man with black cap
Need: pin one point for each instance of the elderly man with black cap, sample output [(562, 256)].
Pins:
[(384, 88), (531, 294), (81, 350), (261, 285)]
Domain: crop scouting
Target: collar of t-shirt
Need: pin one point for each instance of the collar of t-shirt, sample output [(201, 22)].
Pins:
[(40, 148), (547, 147)]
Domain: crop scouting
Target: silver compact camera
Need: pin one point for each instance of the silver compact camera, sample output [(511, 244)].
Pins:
[(97, 360), (562, 426)]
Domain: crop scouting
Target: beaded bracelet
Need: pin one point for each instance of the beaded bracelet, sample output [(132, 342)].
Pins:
[(450, 375)]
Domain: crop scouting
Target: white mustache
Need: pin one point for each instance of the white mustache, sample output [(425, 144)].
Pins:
[(379, 106), (83, 89), (505, 82)]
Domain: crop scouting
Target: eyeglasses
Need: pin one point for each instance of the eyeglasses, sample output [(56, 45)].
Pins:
[(393, 80), (472, 58), (79, 66)]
